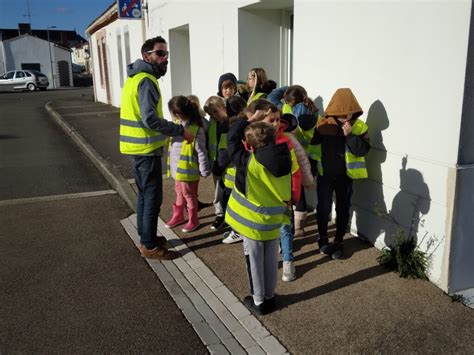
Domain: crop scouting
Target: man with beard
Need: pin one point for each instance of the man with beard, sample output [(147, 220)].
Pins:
[(143, 134)]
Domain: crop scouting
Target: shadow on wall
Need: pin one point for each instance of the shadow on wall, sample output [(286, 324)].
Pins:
[(409, 204), (368, 197)]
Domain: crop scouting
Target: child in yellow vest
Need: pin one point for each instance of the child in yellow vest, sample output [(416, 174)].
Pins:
[(186, 163), (344, 142), (258, 205), (215, 108)]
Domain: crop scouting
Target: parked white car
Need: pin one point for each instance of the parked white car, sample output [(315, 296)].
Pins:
[(23, 80)]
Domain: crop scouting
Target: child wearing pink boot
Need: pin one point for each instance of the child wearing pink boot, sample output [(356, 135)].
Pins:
[(186, 163)]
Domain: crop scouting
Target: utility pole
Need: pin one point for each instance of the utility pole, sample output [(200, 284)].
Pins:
[(50, 56)]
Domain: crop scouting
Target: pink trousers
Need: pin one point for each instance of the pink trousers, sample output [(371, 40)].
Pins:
[(187, 193)]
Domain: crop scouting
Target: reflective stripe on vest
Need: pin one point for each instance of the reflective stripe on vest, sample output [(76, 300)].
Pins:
[(229, 173), (355, 166), (135, 137), (260, 213), (188, 164), (212, 141)]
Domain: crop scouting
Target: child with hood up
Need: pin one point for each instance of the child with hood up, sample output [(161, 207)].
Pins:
[(227, 86), (344, 142)]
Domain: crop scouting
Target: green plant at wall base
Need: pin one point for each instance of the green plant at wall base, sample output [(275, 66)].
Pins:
[(404, 258)]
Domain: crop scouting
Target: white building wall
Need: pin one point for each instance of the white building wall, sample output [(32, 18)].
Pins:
[(213, 37), (406, 63), (135, 30)]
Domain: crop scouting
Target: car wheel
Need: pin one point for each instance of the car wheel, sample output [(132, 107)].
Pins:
[(31, 87)]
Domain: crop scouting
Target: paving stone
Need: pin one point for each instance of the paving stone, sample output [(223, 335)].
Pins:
[(189, 255), (256, 350), (244, 338), (239, 310), (216, 305), (213, 282), (161, 271), (254, 327), (206, 334), (271, 345), (172, 269), (229, 320), (233, 346), (182, 265), (204, 272), (190, 291), (196, 263), (192, 277), (204, 291), (225, 295), (192, 315), (221, 331), (217, 349), (173, 288)]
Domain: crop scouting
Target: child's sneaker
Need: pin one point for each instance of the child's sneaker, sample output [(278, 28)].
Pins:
[(288, 271), (219, 223), (253, 308), (231, 237)]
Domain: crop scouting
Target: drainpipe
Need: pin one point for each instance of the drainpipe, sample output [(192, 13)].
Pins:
[(3, 53)]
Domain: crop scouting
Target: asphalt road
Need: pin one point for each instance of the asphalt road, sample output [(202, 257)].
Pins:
[(36, 157), (71, 280)]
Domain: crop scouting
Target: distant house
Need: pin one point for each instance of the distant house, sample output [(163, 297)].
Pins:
[(28, 52), (80, 56), (26, 48)]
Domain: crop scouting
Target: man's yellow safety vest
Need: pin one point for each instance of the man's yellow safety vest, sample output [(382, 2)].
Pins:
[(135, 137)]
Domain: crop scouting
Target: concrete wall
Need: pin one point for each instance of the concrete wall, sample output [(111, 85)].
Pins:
[(115, 67), (406, 63), (213, 41)]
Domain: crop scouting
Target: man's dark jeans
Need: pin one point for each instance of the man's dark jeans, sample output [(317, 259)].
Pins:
[(149, 180)]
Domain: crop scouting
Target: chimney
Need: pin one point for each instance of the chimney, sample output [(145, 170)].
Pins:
[(24, 28)]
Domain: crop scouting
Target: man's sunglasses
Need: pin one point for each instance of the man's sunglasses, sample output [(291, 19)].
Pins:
[(160, 53)]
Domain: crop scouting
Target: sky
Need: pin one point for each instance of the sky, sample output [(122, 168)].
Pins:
[(64, 14)]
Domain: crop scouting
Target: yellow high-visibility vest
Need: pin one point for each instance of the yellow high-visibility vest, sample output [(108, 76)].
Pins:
[(355, 166), (230, 171), (259, 212), (188, 164), (135, 137), (255, 97), (212, 148)]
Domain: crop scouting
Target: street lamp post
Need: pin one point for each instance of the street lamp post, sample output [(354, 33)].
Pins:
[(50, 56)]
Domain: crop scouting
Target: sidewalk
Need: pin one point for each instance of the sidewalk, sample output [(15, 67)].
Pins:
[(350, 305)]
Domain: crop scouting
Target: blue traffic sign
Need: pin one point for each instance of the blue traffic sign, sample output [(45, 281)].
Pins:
[(129, 9)]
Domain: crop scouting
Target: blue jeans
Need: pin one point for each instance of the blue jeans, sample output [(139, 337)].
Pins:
[(149, 180), (286, 239)]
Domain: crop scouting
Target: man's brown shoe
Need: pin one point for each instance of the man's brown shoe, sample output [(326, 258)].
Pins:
[(158, 253)]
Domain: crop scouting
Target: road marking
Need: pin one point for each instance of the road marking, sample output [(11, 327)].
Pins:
[(76, 106), (89, 113), (20, 201)]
